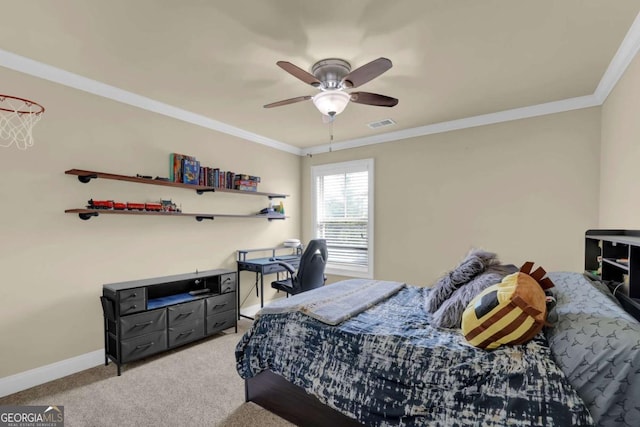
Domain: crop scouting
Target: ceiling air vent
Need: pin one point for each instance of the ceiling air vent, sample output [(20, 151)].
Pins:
[(381, 123)]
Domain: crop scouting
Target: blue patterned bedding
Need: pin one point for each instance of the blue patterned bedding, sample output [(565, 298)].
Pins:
[(597, 345), (388, 366)]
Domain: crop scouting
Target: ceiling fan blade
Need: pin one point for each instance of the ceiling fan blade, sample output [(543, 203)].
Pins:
[(373, 99), (298, 72), (288, 101), (367, 72)]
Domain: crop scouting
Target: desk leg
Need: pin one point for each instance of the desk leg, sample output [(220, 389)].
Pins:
[(257, 293), (238, 294), (261, 290)]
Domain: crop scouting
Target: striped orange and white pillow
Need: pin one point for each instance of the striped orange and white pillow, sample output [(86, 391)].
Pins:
[(511, 312)]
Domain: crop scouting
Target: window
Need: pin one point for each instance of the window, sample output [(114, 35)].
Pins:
[(342, 207)]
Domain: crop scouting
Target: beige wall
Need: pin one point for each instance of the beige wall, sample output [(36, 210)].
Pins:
[(620, 174), (54, 265), (526, 189)]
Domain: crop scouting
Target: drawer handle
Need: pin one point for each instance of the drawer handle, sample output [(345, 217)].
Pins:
[(228, 279), (186, 332), (133, 307), (184, 314), (144, 345), (218, 324), (144, 324), (219, 305)]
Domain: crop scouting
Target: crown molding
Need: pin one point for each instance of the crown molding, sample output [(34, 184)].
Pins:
[(621, 60), (47, 72), (468, 122)]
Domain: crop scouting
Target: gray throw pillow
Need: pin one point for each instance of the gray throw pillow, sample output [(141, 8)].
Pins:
[(449, 314), (476, 261)]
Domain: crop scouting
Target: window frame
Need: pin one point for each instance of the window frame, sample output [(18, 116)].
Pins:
[(340, 168)]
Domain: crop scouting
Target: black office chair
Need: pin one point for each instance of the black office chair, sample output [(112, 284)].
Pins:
[(310, 272)]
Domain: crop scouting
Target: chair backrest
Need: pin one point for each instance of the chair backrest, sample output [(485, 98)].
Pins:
[(310, 272)]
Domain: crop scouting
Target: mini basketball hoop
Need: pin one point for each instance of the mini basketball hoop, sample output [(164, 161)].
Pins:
[(18, 116)]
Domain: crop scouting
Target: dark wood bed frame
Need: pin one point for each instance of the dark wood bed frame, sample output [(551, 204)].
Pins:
[(274, 393)]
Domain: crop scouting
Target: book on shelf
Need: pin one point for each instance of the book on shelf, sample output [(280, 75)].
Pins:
[(246, 177), (175, 166), (230, 178), (243, 183), (202, 176), (246, 188), (190, 171), (216, 177)]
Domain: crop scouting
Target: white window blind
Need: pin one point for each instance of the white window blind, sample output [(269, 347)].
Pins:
[(343, 200)]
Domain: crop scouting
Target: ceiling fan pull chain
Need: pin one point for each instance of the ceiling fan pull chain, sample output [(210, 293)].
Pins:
[(331, 136)]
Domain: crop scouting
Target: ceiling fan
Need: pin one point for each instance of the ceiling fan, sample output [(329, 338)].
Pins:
[(333, 77)]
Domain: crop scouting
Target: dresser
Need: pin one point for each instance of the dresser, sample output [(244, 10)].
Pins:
[(149, 316)]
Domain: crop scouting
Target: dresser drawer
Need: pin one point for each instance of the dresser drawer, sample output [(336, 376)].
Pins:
[(273, 268), (143, 346), (220, 322), (143, 323), (248, 266), (132, 300), (186, 332), (186, 312), (221, 303), (228, 283)]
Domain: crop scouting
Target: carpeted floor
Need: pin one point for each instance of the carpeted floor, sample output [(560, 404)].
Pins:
[(195, 385)]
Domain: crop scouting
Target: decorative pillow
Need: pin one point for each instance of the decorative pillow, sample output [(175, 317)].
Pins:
[(476, 261), (449, 314), (511, 312)]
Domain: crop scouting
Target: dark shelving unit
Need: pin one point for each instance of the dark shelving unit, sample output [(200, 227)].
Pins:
[(613, 257)]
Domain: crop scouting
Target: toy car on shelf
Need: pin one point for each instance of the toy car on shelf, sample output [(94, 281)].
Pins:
[(162, 206), (100, 204), (153, 207), (134, 206), (169, 206)]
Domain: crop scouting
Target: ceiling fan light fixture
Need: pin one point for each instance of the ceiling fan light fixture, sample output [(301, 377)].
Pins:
[(331, 102)]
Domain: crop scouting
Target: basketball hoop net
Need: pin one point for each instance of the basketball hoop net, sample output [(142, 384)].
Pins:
[(18, 116)]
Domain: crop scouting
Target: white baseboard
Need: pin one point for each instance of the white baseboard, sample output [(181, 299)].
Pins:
[(44, 374), (253, 309), (24, 380)]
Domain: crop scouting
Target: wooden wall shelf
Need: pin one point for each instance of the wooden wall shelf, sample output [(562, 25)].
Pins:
[(86, 176), (89, 213)]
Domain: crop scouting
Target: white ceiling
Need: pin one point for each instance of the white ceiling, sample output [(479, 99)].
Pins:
[(213, 63)]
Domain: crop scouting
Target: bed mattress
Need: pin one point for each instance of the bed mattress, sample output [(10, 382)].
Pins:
[(389, 366)]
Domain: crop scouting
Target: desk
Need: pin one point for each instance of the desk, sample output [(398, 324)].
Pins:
[(266, 265)]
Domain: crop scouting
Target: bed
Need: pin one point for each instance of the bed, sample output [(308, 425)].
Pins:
[(388, 365)]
